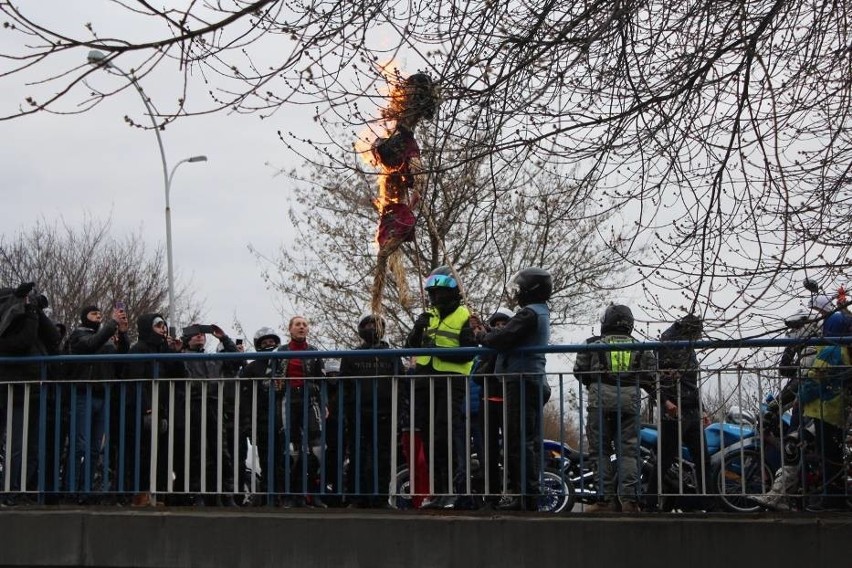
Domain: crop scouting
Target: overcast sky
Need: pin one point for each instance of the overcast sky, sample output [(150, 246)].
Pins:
[(71, 165), (95, 163)]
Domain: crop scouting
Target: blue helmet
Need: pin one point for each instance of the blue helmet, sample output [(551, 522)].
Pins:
[(443, 289), (837, 324), (441, 277)]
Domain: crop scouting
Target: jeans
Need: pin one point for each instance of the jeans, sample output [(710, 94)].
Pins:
[(90, 419), (613, 428)]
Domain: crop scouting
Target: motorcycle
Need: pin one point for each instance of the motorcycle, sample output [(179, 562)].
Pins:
[(557, 493), (732, 443)]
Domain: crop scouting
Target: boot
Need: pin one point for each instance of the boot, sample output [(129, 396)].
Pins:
[(508, 503), (629, 507), (600, 507), (141, 500), (315, 502), (785, 483)]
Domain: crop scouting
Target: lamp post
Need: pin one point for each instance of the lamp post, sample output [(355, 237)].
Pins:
[(169, 261), (98, 59)]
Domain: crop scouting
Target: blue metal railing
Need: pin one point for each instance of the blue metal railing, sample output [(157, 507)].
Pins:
[(50, 451)]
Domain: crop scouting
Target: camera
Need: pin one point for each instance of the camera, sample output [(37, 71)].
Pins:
[(196, 329), (38, 300)]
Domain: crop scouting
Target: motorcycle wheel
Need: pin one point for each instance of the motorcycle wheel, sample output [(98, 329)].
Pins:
[(741, 475), (557, 493), (402, 499)]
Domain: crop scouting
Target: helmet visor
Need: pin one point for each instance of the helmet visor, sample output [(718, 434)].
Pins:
[(513, 288), (441, 281)]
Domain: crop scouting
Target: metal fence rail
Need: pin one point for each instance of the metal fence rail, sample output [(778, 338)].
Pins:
[(410, 441)]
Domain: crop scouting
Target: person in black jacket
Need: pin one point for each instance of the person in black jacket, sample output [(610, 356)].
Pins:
[(366, 387), (680, 401), (525, 383), (260, 420), (89, 407), (24, 331), (146, 414)]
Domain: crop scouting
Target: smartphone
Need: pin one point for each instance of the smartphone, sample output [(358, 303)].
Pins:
[(191, 330), (172, 331), (119, 305), (239, 342), (196, 329)]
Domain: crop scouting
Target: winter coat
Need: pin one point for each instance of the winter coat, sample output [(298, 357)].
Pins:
[(363, 368), (24, 332), (151, 343), (87, 341)]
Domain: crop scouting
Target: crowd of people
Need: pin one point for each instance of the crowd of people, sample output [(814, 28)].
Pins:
[(296, 430)]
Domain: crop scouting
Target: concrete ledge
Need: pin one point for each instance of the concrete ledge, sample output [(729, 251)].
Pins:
[(343, 539)]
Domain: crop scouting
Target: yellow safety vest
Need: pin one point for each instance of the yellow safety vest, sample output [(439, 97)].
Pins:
[(445, 333)]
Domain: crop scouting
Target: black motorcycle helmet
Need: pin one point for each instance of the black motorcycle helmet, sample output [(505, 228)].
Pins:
[(443, 289), (688, 328), (371, 334), (617, 319), (530, 286)]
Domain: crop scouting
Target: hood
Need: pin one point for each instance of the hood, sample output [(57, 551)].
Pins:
[(84, 321), (146, 332), (689, 327)]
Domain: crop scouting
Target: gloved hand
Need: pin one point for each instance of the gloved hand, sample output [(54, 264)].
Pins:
[(24, 289), (422, 321), (770, 418)]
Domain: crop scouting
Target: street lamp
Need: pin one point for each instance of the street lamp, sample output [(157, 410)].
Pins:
[(169, 262), (98, 59)]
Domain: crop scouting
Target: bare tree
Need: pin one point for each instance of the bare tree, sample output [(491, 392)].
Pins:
[(489, 225), (76, 265), (720, 131)]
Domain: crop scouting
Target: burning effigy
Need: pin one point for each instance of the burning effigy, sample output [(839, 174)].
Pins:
[(401, 180)]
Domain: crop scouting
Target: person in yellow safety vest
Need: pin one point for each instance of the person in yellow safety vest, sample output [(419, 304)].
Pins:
[(446, 324)]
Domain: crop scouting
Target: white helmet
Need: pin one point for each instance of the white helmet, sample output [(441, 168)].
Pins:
[(501, 313), (332, 366), (264, 333)]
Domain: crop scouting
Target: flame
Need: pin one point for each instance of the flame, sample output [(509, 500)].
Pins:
[(387, 194), (389, 190)]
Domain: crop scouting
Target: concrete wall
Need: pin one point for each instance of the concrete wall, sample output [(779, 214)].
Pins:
[(340, 539)]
